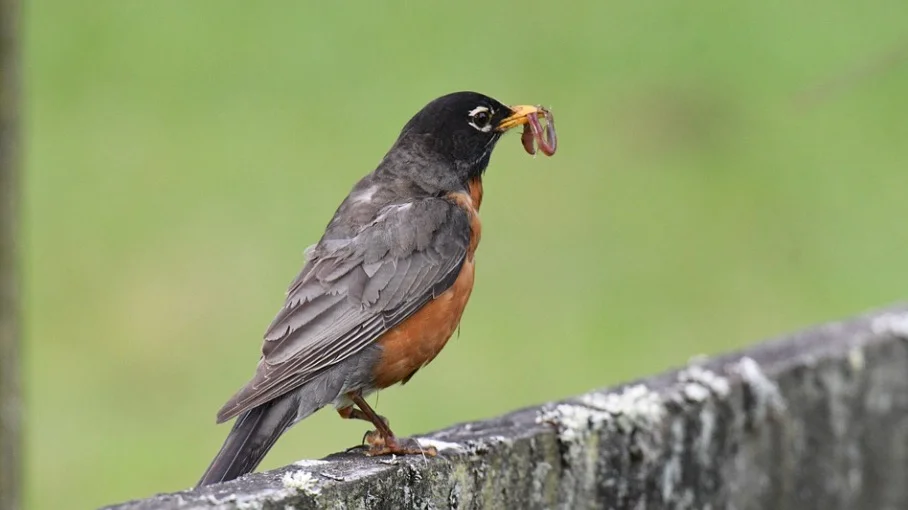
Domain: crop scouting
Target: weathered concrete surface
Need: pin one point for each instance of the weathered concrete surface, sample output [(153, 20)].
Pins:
[(815, 420)]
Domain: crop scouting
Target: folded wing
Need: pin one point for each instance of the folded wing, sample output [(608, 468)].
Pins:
[(355, 288)]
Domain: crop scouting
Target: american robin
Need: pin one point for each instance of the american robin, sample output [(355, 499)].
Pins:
[(382, 291)]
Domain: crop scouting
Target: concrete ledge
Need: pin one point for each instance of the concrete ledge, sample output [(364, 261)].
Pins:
[(818, 419)]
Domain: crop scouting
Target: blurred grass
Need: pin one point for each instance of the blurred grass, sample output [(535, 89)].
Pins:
[(181, 155)]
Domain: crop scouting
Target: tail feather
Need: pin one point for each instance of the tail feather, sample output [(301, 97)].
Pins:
[(253, 434), (256, 430)]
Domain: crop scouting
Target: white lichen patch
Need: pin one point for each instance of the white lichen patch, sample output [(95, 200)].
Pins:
[(574, 422), (248, 504), (539, 495), (708, 420), (635, 407), (700, 383), (578, 424), (696, 392), (300, 480), (766, 393), (507, 441), (540, 472), (438, 444), (891, 324), (671, 472), (578, 429), (856, 359)]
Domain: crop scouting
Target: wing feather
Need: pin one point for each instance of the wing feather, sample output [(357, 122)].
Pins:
[(354, 289)]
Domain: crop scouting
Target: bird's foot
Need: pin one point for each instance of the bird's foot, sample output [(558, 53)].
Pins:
[(380, 445)]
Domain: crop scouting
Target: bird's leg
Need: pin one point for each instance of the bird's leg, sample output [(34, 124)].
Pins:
[(382, 441), (352, 413)]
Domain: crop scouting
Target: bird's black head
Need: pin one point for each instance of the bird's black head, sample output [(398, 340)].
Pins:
[(459, 130)]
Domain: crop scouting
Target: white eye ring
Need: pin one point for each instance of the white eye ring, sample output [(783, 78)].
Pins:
[(481, 118)]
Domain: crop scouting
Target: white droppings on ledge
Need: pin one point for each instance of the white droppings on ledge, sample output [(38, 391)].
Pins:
[(766, 393), (891, 323), (300, 480), (438, 445), (310, 463)]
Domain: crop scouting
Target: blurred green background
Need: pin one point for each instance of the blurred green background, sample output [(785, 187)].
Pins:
[(725, 174)]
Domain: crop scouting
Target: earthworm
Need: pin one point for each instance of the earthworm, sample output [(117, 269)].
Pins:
[(535, 135), (527, 138)]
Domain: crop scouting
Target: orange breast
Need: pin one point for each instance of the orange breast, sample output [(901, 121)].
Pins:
[(415, 342)]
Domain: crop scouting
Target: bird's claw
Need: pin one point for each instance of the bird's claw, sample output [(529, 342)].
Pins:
[(380, 445)]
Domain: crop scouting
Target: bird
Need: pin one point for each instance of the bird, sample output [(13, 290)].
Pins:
[(382, 291)]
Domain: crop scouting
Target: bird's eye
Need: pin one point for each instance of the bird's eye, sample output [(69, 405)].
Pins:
[(481, 119)]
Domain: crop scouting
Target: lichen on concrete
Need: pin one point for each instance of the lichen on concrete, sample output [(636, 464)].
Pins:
[(768, 398), (300, 480), (895, 323), (702, 383)]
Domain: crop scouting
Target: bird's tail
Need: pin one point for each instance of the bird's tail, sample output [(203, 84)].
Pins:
[(254, 433), (256, 430)]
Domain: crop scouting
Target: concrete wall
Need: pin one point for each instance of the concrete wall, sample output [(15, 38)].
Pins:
[(818, 419)]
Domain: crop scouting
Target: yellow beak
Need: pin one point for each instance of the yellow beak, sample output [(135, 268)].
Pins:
[(518, 117)]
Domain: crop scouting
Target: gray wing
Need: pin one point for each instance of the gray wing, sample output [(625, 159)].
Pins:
[(354, 289)]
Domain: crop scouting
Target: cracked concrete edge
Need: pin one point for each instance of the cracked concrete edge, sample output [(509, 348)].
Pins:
[(770, 426)]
